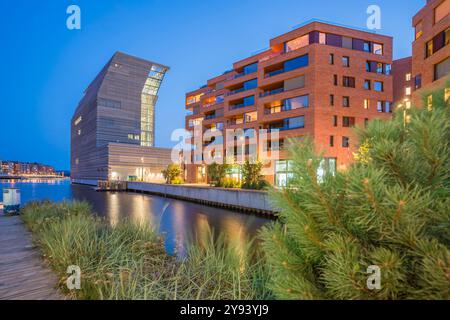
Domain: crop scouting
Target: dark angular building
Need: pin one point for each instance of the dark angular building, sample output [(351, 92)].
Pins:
[(112, 129)]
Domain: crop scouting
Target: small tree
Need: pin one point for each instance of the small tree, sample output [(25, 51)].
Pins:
[(172, 173), (217, 172), (390, 211), (251, 175)]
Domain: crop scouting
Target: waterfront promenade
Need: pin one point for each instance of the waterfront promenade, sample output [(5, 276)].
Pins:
[(23, 274)]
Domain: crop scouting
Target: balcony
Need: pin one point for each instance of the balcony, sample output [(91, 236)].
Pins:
[(233, 92), (271, 92), (274, 73)]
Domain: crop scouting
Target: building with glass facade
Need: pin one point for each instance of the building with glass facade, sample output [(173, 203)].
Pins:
[(318, 80), (112, 129)]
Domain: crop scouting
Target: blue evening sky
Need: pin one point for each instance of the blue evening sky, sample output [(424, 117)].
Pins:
[(45, 67)]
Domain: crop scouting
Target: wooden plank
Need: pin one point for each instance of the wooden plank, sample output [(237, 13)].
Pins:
[(23, 273)]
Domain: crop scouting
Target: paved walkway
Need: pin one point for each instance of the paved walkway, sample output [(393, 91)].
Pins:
[(23, 274)]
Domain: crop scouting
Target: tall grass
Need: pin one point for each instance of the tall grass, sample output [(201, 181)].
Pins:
[(128, 260)]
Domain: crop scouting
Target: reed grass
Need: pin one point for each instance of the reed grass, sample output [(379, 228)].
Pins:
[(129, 261)]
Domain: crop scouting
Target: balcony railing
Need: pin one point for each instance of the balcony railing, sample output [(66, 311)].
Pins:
[(236, 91), (271, 92), (211, 116), (274, 73)]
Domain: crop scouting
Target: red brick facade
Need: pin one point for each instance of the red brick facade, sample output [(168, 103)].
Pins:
[(431, 49), (335, 77)]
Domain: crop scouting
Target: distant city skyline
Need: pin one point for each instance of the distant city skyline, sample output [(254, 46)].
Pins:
[(47, 67)]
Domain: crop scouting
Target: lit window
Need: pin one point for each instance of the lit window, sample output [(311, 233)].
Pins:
[(419, 30), (429, 48), (447, 95), (298, 43), (408, 77), (79, 132), (366, 103), (430, 102), (322, 38), (77, 161), (408, 91), (79, 119)]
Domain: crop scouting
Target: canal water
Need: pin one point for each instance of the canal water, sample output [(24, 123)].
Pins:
[(179, 221)]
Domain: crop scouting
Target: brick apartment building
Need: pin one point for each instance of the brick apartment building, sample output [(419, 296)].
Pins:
[(431, 50), (318, 80), (403, 81)]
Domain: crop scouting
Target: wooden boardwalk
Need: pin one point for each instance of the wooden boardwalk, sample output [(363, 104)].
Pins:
[(23, 274)]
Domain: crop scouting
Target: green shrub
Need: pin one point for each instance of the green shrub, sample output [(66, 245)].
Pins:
[(391, 210)]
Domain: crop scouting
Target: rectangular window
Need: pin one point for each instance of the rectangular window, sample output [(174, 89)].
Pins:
[(366, 46), (334, 40), (346, 102), (347, 42), (379, 68), (297, 43), (295, 123), (408, 91), (251, 68), (367, 85), (345, 142), (348, 82), (346, 62), (418, 81), (331, 99), (368, 66), (447, 95), (366, 122), (296, 63), (220, 98), (378, 86), (408, 77), (322, 38), (442, 69), (249, 101), (377, 48), (429, 49), (283, 173), (384, 106), (348, 122), (331, 141), (335, 121), (78, 120), (366, 103), (331, 58), (251, 84), (335, 80), (419, 30), (296, 103)]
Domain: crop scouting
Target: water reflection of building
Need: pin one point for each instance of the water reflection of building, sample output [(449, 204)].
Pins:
[(112, 129)]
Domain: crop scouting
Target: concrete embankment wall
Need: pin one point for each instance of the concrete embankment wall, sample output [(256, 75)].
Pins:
[(246, 200), (85, 182)]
